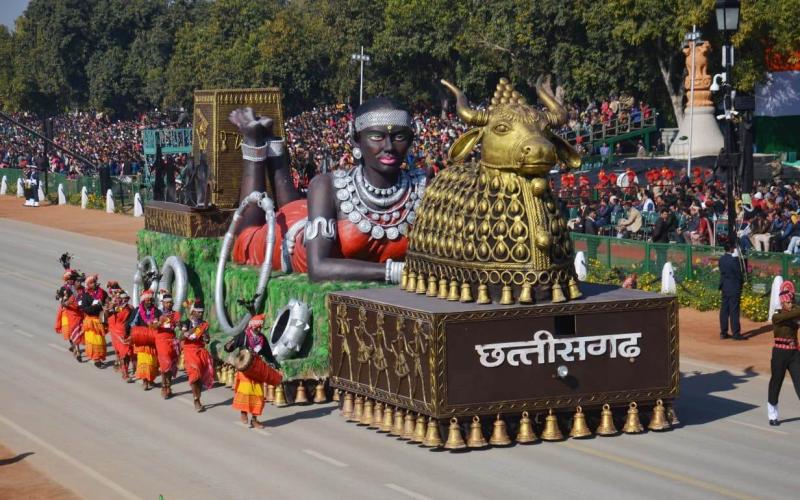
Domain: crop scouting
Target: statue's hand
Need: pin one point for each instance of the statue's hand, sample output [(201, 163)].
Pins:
[(254, 129)]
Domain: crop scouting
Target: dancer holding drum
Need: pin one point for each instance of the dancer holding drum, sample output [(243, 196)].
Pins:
[(119, 317), (166, 345), (197, 360), (70, 316), (143, 328), (254, 371)]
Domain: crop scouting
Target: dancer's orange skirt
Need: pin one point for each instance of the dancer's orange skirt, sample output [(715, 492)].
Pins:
[(146, 363), (94, 335), (248, 395)]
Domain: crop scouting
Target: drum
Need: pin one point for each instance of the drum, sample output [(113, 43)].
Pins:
[(256, 369), (143, 336)]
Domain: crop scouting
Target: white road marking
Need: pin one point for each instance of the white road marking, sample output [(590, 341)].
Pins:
[(23, 333), (57, 347), (325, 458), (760, 427), (184, 400), (119, 490), (264, 432), (406, 492)]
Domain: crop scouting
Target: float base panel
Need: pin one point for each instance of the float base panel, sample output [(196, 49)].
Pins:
[(448, 359)]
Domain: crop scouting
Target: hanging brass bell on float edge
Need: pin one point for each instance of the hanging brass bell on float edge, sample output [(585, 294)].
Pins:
[(366, 413), (403, 278), (672, 416), (579, 427), (483, 295), (388, 419), (432, 437), (525, 295), (336, 395), (499, 433), (606, 427), (475, 438), (442, 289), (411, 282), (659, 422), (347, 405), (280, 396), (419, 430), (269, 393), (300, 396), (397, 425), (506, 296), (558, 293), (453, 295), (377, 416), (408, 427), (466, 293), (454, 439), (230, 375), (574, 290), (181, 364), (319, 393), (433, 288), (632, 423), (358, 410), (551, 431), (526, 433), (421, 288)]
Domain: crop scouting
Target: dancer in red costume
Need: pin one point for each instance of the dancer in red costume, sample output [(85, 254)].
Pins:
[(197, 360)]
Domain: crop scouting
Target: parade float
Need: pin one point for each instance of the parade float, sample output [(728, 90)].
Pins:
[(488, 331)]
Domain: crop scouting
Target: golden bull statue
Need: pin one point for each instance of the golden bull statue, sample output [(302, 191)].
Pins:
[(491, 228)]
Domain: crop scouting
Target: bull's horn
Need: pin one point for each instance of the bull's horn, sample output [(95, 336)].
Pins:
[(556, 114), (470, 116)]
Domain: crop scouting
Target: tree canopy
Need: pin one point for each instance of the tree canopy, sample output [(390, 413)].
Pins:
[(128, 55)]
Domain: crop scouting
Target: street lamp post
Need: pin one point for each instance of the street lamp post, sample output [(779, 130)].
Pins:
[(728, 23), (361, 58)]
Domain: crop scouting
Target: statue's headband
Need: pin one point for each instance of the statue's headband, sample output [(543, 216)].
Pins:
[(383, 118)]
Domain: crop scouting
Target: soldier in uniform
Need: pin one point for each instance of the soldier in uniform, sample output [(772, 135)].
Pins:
[(785, 354)]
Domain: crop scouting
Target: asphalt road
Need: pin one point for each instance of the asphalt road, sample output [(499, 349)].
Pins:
[(105, 439)]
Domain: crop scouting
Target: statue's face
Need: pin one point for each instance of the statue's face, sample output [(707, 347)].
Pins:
[(515, 136), (384, 148)]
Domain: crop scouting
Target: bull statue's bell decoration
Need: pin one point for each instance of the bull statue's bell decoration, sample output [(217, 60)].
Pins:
[(632, 423), (491, 228)]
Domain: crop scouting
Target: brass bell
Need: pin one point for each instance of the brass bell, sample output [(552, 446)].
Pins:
[(466, 293), (558, 294), (347, 405), (506, 296), (659, 422), (280, 397), (574, 289), (433, 289), (483, 295), (180, 362), (366, 413), (499, 433), (408, 426), (358, 410), (336, 396), (432, 437), (579, 427), (526, 433), (452, 295), (411, 284), (421, 288), (269, 394), (454, 439), (419, 430), (525, 296), (672, 416), (403, 278), (442, 289), (388, 419), (229, 376), (606, 427), (319, 393), (218, 374), (377, 416), (632, 423), (397, 425), (475, 438), (300, 397), (551, 431)]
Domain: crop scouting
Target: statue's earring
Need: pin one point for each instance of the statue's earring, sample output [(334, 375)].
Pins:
[(357, 153)]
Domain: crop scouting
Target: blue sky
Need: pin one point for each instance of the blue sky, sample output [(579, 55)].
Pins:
[(10, 10)]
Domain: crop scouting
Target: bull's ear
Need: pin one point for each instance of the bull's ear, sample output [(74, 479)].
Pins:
[(465, 144), (565, 152)]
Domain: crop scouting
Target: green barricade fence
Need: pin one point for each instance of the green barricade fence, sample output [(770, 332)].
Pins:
[(123, 190), (691, 262)]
